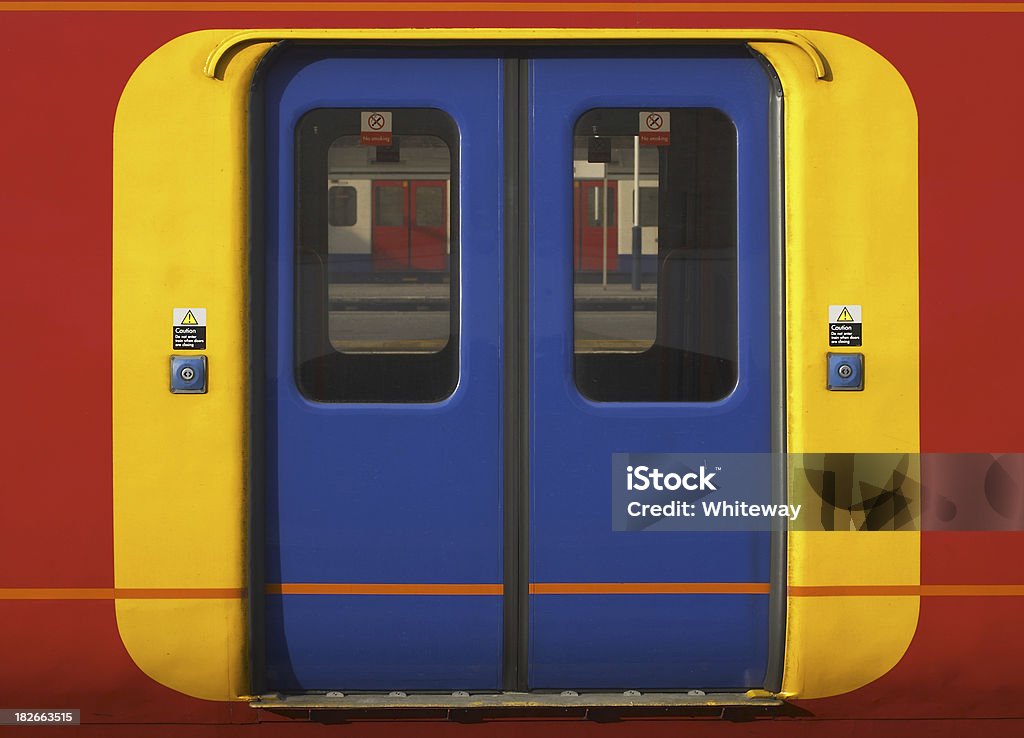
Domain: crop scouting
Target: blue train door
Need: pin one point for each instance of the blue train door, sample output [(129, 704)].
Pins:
[(680, 365), (436, 436)]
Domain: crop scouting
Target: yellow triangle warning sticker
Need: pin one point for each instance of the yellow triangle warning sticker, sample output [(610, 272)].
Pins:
[(844, 317), (190, 319)]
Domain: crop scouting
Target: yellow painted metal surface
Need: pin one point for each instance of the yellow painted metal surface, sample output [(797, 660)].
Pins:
[(179, 241), (180, 461), (222, 53), (850, 237)]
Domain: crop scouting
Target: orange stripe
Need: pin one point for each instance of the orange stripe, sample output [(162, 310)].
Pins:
[(519, 7), (57, 593), (909, 590), (538, 588), (385, 589), (121, 593), (205, 593), (648, 588)]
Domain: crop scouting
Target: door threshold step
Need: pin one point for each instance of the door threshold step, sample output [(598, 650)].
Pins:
[(505, 700)]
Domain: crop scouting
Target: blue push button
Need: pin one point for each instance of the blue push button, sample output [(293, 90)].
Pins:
[(188, 375), (845, 372)]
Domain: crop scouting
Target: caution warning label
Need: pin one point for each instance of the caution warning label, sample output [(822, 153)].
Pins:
[(189, 329), (845, 327)]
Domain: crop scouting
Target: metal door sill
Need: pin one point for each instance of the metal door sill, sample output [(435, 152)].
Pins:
[(517, 700)]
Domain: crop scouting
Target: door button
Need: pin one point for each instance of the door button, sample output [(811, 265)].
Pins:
[(188, 375), (845, 372)]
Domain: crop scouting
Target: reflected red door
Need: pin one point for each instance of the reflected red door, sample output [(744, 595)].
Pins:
[(390, 239), (588, 219), (428, 234)]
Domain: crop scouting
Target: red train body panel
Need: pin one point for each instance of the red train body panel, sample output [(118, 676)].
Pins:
[(66, 69)]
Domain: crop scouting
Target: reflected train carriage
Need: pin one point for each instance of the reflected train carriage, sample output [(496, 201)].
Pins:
[(388, 206)]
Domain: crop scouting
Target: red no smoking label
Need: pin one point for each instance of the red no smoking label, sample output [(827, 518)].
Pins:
[(375, 128), (654, 128)]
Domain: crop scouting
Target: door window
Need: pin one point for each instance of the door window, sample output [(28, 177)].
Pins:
[(374, 299), (343, 207), (658, 325), (430, 206), (389, 206)]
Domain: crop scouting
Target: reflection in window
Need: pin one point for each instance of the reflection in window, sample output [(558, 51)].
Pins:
[(430, 206), (648, 206), (342, 206), (389, 207), (375, 295), (595, 204), (675, 338)]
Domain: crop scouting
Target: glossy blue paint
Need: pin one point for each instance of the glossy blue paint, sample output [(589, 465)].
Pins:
[(386, 493), (640, 641), (648, 642), (381, 642)]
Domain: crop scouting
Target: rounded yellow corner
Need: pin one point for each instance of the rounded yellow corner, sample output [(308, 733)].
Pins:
[(179, 239), (851, 235)]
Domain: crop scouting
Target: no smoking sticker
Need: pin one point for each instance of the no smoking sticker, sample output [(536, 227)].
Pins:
[(189, 329), (375, 128), (845, 327), (655, 128)]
